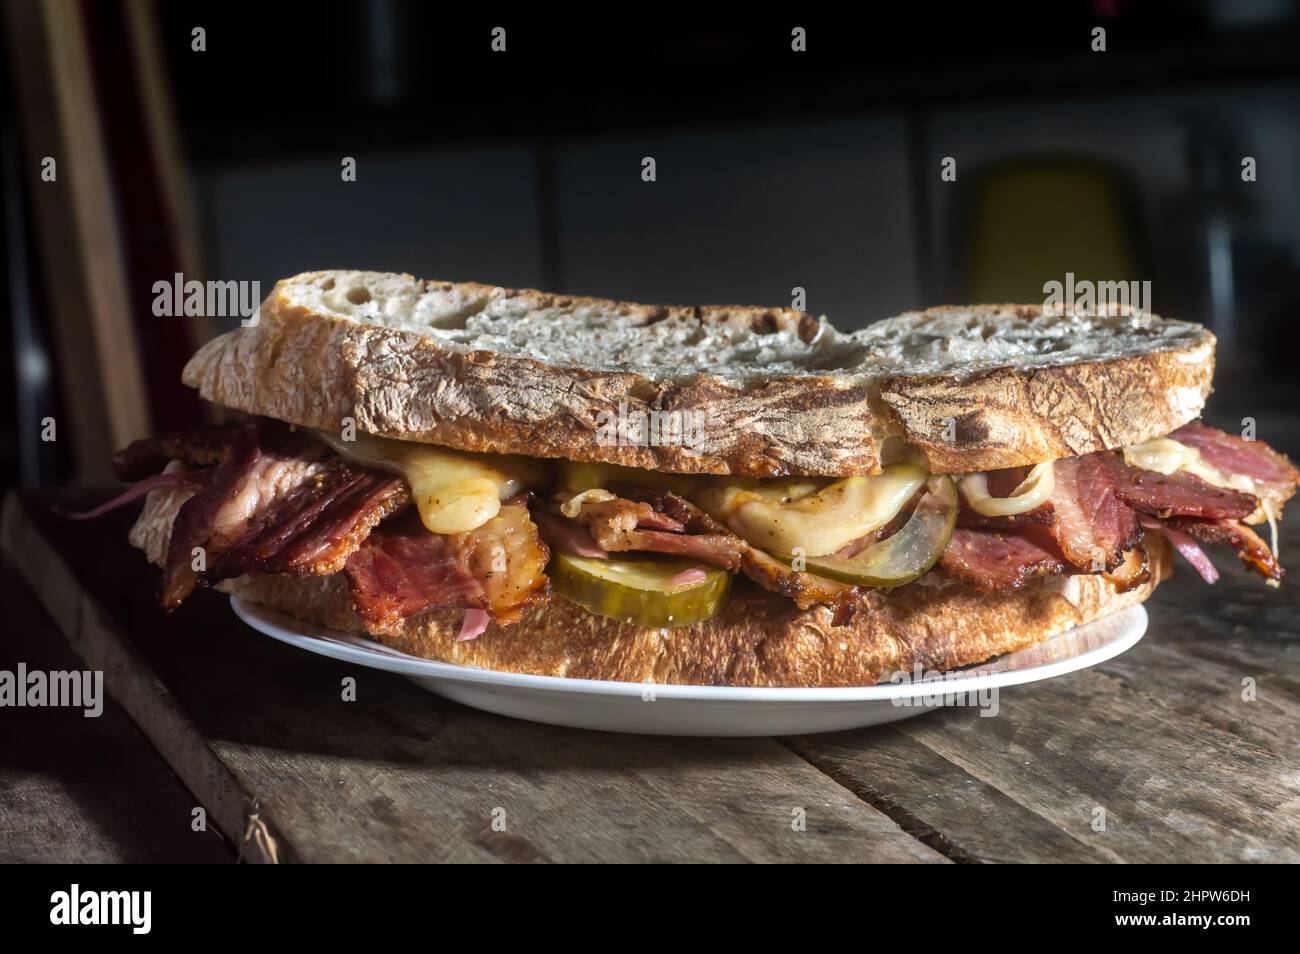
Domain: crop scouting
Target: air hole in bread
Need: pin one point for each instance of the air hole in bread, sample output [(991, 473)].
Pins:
[(642, 390), (808, 328), (656, 316), (359, 295), (327, 284)]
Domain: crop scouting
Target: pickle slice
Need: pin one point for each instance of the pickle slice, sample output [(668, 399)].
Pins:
[(639, 590), (905, 555)]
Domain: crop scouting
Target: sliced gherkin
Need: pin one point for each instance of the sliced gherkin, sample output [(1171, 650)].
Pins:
[(901, 557), (640, 590)]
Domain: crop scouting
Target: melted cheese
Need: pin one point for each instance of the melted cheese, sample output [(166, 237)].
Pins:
[(571, 506), (1164, 455), (455, 492), (1265, 506), (819, 518)]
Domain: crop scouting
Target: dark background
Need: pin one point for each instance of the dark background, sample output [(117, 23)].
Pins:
[(775, 169)]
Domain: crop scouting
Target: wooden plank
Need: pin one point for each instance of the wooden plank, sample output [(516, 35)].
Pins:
[(128, 678), (164, 142), (1160, 738), (1213, 638), (937, 800), (257, 727), (156, 225), (77, 229), (61, 794)]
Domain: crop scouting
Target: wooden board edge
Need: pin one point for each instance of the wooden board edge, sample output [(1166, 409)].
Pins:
[(137, 688)]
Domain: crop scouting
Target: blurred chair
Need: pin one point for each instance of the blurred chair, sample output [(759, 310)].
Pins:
[(1025, 222)]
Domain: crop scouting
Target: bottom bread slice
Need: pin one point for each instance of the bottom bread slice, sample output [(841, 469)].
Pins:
[(759, 638)]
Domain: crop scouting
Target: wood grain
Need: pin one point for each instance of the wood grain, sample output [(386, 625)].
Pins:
[(77, 227), (257, 727), (61, 794), (1160, 738)]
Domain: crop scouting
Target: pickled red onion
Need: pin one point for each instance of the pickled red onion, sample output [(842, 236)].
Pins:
[(135, 491), (473, 625), (1189, 548)]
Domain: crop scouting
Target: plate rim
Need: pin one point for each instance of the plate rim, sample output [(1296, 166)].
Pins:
[(354, 649)]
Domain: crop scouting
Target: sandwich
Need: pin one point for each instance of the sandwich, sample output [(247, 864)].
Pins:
[(737, 496)]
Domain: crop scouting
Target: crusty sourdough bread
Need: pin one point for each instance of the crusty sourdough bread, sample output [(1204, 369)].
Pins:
[(779, 392), (759, 639)]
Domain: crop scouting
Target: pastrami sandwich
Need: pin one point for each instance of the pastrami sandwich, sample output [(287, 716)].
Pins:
[(736, 496)]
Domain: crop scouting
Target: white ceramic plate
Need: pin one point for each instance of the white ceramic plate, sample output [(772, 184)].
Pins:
[(715, 710)]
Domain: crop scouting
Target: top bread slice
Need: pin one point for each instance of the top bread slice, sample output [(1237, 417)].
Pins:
[(760, 392)]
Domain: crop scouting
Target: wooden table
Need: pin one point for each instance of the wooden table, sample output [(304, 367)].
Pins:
[(1186, 763)]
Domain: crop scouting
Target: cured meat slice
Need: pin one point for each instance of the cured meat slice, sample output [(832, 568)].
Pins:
[(402, 569)]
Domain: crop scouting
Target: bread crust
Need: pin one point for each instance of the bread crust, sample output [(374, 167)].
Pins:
[(313, 368), (759, 639), (1047, 413)]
